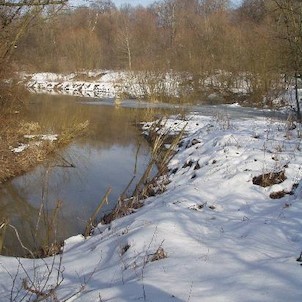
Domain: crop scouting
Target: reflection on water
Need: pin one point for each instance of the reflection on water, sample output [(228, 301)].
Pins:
[(105, 157)]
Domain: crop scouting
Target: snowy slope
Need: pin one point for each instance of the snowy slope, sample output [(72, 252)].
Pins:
[(212, 236)]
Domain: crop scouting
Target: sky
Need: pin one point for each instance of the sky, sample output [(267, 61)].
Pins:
[(118, 3), (133, 2), (147, 2)]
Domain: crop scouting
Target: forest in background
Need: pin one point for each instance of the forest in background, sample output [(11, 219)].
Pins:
[(260, 40)]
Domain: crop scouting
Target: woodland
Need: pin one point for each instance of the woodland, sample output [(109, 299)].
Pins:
[(259, 40)]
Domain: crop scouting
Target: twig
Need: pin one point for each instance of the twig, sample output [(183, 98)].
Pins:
[(92, 219), (20, 241), (145, 261)]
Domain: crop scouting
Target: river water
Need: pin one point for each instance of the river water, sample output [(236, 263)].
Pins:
[(109, 155)]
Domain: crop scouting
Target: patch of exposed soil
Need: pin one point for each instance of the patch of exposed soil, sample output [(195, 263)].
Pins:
[(277, 195), (280, 194), (269, 179)]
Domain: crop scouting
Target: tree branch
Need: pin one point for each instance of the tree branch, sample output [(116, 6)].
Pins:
[(32, 3)]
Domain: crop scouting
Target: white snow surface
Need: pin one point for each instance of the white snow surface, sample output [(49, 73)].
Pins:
[(38, 139), (44, 137), (20, 148), (224, 238), (103, 83)]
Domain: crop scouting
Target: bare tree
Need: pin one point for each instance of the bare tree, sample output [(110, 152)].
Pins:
[(15, 19), (253, 10), (102, 6), (125, 35), (288, 19)]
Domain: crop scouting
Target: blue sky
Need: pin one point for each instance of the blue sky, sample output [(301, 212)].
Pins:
[(147, 2), (137, 2), (133, 2)]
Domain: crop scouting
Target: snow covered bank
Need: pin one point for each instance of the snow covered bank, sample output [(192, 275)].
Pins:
[(221, 87), (213, 235), (102, 84), (95, 84)]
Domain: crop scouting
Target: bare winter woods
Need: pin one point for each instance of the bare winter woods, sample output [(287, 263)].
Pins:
[(260, 39)]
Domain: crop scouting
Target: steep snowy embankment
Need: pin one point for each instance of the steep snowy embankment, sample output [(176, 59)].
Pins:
[(213, 235)]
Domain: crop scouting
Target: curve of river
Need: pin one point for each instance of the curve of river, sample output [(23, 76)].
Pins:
[(111, 153)]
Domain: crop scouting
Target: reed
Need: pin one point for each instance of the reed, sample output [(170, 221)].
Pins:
[(91, 223), (3, 227), (147, 186)]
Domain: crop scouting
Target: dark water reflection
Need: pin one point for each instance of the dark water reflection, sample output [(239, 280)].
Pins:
[(105, 157)]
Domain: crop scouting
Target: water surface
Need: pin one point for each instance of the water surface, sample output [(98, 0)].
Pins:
[(110, 154)]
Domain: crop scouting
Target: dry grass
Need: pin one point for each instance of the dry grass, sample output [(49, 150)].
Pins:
[(149, 186), (269, 179), (12, 135), (14, 164)]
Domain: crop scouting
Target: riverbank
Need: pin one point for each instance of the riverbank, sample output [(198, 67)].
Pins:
[(158, 87), (111, 153), (24, 142), (23, 146), (226, 228)]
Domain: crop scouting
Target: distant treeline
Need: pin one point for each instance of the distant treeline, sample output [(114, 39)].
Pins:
[(261, 39)]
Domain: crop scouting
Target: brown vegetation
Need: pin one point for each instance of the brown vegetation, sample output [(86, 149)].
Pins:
[(16, 163), (147, 185), (15, 126), (260, 40), (269, 179), (16, 21)]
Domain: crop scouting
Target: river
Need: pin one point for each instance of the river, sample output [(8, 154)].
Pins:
[(109, 155)]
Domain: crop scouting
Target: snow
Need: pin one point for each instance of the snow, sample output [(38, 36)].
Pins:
[(49, 137), (44, 137), (139, 85), (38, 138), (20, 148), (101, 83), (224, 238)]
